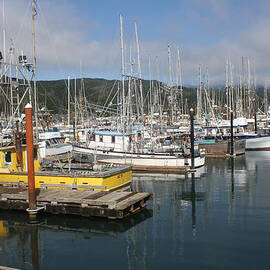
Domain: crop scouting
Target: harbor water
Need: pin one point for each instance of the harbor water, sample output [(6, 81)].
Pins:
[(218, 218)]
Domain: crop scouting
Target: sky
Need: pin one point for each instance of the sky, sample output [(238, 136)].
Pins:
[(82, 37)]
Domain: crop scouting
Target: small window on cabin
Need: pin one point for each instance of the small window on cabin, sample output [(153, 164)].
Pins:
[(83, 132), (113, 139), (100, 138), (8, 156), (35, 153)]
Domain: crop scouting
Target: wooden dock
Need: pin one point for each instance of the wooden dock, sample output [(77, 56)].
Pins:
[(106, 204)]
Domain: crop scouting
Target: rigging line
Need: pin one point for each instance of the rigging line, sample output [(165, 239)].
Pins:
[(105, 104)]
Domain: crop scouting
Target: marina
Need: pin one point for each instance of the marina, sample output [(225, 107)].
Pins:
[(129, 143)]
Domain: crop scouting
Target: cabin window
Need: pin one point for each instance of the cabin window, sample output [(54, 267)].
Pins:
[(8, 156), (113, 139), (92, 137), (35, 153), (100, 138), (83, 132)]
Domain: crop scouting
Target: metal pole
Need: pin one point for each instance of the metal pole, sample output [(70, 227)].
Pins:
[(192, 138), (232, 143), (255, 122), (34, 64), (30, 158), (68, 101), (18, 146)]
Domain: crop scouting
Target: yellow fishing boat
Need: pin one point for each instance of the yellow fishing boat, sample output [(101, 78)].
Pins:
[(13, 172)]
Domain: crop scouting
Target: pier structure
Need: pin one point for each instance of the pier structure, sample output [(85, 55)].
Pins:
[(105, 204)]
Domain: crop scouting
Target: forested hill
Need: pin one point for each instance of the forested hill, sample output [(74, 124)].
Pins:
[(97, 91), (100, 91)]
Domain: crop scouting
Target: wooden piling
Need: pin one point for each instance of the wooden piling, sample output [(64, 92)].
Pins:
[(30, 158)]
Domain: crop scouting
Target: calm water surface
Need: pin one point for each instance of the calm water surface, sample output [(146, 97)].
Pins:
[(220, 219)]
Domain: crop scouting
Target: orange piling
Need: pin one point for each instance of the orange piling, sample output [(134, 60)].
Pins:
[(30, 160)]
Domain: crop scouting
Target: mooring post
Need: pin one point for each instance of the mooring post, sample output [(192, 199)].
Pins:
[(30, 161), (255, 123), (232, 142), (192, 138)]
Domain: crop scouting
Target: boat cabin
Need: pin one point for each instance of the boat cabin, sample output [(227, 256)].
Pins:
[(112, 140), (10, 160)]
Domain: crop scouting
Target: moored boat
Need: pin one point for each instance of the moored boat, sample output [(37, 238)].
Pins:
[(222, 148), (13, 171)]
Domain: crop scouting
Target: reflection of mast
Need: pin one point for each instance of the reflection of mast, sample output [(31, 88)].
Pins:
[(193, 196), (193, 203), (34, 247)]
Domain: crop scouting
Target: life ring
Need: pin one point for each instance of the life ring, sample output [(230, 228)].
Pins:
[(133, 138), (155, 134)]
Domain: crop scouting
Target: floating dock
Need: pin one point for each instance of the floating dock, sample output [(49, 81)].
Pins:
[(106, 204)]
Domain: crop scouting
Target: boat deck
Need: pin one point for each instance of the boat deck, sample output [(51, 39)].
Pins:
[(112, 205)]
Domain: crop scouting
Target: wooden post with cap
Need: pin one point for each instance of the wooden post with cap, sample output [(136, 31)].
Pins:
[(30, 160)]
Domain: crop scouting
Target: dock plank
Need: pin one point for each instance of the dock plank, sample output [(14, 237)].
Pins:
[(106, 204), (111, 196), (131, 200)]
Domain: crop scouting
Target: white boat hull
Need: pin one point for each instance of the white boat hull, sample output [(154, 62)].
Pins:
[(145, 161), (258, 143)]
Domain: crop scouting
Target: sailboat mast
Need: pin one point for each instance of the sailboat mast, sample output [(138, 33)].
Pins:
[(68, 101), (4, 33), (265, 100), (34, 12), (139, 70), (122, 70), (180, 80), (75, 101), (170, 82)]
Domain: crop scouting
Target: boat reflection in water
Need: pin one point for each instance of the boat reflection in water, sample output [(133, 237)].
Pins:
[(209, 220), (31, 237)]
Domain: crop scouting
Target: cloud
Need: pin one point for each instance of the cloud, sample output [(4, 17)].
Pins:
[(65, 38)]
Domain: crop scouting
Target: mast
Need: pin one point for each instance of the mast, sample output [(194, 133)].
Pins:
[(122, 70), (139, 70), (180, 80), (199, 95), (68, 101), (265, 100), (34, 13), (4, 40), (249, 88), (75, 100), (170, 82)]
